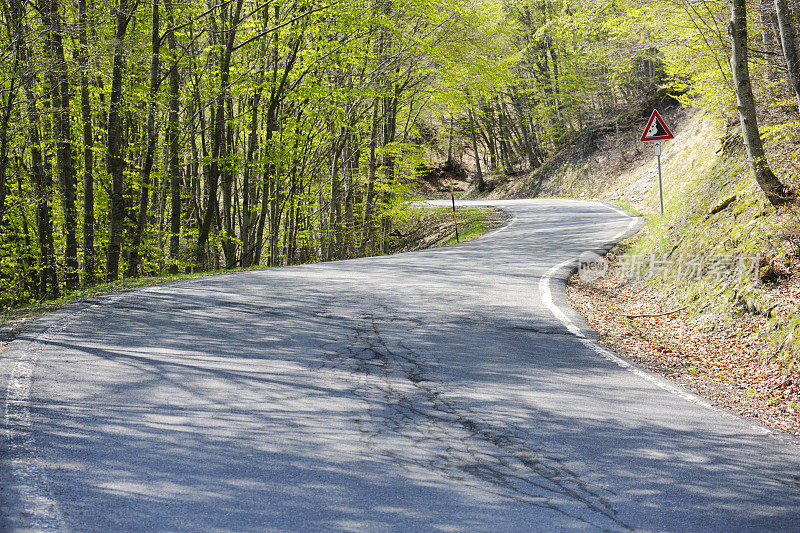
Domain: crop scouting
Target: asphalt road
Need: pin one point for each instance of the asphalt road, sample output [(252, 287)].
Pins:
[(449, 389)]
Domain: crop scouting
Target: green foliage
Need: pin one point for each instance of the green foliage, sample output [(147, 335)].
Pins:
[(300, 170)]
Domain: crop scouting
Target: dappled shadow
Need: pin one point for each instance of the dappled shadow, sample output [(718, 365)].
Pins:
[(423, 391)]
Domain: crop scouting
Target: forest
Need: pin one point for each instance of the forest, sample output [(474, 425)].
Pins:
[(147, 137)]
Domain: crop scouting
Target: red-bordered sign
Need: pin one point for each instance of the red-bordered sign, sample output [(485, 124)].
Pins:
[(656, 129)]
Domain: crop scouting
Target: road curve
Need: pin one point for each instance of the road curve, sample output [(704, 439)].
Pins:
[(449, 389)]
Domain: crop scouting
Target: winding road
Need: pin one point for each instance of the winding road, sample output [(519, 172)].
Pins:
[(445, 390)]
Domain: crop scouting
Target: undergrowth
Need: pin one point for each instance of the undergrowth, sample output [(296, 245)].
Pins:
[(722, 248)]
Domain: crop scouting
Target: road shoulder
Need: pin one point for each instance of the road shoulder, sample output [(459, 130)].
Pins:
[(718, 360)]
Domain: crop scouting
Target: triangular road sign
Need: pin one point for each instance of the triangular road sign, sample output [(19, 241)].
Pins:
[(656, 129)]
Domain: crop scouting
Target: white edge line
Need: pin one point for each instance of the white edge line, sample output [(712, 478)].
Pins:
[(545, 282), (512, 219), (43, 513), (547, 300)]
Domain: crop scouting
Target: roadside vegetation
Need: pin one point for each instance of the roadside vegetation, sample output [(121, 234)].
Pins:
[(420, 228), (143, 139), (709, 294), (435, 227)]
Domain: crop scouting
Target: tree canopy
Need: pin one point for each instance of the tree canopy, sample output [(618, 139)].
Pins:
[(144, 137)]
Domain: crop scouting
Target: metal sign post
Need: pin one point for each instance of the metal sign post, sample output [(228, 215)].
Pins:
[(657, 151), (655, 132), (453, 198)]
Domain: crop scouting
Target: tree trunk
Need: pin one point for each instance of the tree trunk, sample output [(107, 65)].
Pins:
[(775, 191), (334, 207), (503, 140), (271, 184), (789, 45), (218, 144), (15, 33), (768, 41), (478, 174), (152, 137), (47, 280), (490, 135), (349, 200), (449, 162), (8, 108), (533, 162), (89, 257), (270, 127), (248, 189), (115, 160), (227, 178), (173, 136), (42, 186), (65, 160), (369, 200)]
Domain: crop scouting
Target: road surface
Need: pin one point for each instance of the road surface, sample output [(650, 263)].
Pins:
[(444, 390)]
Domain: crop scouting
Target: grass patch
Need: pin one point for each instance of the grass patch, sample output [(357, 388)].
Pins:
[(433, 227), (473, 222), (627, 206)]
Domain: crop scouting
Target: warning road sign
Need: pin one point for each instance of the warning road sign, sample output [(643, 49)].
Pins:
[(656, 129)]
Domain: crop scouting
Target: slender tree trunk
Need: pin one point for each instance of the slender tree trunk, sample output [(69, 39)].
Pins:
[(478, 174), (152, 138), (369, 200), (271, 184), (89, 257), (8, 108), (31, 281), (556, 80), (503, 140), (349, 222), (246, 233), (533, 162), (270, 126), (264, 211), (388, 163), (227, 177), (15, 33), (450, 144), (334, 207), (218, 136), (490, 135), (291, 236), (65, 160), (775, 191), (173, 136), (42, 186), (115, 160), (275, 210), (47, 279), (765, 12), (789, 45)]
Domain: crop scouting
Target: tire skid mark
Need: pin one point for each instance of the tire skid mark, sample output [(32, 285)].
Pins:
[(402, 402)]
